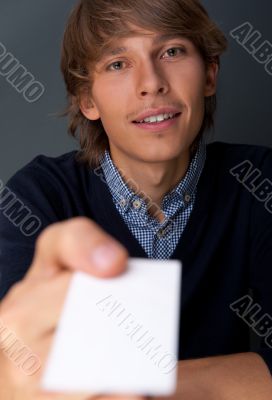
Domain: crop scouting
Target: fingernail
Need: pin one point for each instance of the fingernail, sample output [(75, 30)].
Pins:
[(103, 256)]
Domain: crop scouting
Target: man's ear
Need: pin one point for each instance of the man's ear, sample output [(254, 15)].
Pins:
[(211, 79), (88, 107)]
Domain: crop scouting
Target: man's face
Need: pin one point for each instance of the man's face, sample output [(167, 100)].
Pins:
[(150, 74)]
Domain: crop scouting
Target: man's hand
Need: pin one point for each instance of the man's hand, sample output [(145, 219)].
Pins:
[(242, 376), (32, 307), (31, 310)]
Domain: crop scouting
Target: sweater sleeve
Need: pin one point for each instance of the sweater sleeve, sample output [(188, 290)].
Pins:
[(261, 258), (28, 203)]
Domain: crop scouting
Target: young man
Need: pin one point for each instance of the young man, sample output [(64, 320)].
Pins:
[(141, 81)]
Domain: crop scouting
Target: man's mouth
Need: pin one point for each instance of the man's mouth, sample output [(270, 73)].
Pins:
[(158, 118)]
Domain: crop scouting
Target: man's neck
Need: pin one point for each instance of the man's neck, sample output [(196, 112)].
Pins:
[(152, 181)]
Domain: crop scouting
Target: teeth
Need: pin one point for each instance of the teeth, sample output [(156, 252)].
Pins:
[(158, 118)]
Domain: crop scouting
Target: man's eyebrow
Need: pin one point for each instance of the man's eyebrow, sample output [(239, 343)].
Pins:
[(161, 38)]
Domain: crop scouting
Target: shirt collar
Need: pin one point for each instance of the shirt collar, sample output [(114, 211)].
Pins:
[(187, 185), (184, 191)]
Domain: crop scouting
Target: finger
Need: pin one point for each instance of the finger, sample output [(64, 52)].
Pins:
[(57, 396), (77, 244), (116, 397), (40, 302)]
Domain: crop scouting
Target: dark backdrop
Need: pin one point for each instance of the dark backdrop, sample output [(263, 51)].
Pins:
[(31, 31)]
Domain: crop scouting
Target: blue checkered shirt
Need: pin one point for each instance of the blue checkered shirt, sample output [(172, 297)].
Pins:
[(158, 239)]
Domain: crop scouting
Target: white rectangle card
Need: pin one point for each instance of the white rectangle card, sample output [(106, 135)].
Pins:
[(119, 335)]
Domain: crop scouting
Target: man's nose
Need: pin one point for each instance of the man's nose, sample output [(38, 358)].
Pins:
[(151, 80)]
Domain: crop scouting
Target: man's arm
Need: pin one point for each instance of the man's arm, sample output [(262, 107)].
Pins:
[(243, 376)]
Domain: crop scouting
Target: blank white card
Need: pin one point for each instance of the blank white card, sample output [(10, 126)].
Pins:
[(119, 335)]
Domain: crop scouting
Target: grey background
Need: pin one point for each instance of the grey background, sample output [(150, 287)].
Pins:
[(31, 30)]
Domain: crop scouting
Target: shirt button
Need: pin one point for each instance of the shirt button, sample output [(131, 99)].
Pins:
[(187, 198), (167, 229), (137, 204), (123, 202), (160, 233)]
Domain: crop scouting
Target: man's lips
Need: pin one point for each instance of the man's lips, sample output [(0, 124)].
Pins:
[(161, 126), (153, 112), (157, 123)]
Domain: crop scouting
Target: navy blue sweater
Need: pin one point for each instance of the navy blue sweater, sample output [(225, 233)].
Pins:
[(226, 247)]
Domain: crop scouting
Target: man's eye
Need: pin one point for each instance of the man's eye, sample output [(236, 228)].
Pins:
[(117, 65), (173, 51), (114, 64)]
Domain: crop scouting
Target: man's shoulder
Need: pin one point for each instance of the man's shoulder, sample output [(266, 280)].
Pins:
[(52, 166), (225, 155), (43, 161), (49, 174)]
